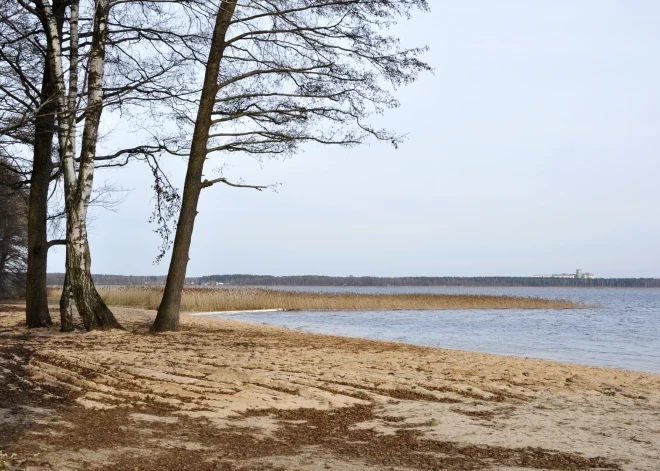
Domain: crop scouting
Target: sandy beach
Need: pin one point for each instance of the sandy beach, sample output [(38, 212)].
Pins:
[(226, 395)]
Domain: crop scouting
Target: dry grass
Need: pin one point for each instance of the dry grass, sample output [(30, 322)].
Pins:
[(247, 299)]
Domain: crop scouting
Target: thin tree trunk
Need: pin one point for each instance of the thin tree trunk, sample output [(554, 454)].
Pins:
[(66, 306), (167, 318), (36, 291), (93, 311)]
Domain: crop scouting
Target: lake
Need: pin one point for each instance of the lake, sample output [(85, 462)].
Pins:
[(622, 330)]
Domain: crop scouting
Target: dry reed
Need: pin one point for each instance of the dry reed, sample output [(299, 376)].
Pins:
[(252, 299)]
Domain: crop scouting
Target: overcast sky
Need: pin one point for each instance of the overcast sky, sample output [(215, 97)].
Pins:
[(534, 148)]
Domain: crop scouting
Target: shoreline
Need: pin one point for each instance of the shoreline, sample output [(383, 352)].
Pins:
[(213, 313), (311, 311), (210, 313), (411, 344), (240, 395)]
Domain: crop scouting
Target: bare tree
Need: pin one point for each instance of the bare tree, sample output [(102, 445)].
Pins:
[(107, 54), (282, 73), (27, 126), (27, 113)]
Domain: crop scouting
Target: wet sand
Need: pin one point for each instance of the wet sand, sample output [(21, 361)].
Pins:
[(227, 395)]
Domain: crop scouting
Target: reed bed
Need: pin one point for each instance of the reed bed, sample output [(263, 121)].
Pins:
[(253, 299)]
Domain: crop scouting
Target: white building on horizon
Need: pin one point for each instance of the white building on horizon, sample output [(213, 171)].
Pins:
[(578, 275)]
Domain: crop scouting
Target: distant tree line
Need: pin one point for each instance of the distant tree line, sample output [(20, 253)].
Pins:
[(57, 279), (311, 280), (251, 280)]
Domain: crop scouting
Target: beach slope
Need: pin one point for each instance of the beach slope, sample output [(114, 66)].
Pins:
[(226, 395)]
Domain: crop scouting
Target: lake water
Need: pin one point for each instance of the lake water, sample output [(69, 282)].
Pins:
[(622, 331)]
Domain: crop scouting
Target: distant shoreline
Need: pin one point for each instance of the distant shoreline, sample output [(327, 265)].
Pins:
[(57, 279)]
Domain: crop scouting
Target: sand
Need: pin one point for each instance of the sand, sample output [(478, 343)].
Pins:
[(229, 395)]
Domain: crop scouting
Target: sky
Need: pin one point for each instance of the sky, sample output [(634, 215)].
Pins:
[(533, 148)]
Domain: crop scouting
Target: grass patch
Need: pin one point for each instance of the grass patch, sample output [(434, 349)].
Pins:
[(247, 299)]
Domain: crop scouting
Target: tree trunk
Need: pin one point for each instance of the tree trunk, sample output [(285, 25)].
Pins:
[(167, 318), (66, 306), (36, 295), (93, 311), (36, 291)]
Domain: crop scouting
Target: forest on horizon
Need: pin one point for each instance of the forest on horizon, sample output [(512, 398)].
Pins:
[(366, 281)]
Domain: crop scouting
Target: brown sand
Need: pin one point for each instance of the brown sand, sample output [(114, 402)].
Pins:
[(227, 395)]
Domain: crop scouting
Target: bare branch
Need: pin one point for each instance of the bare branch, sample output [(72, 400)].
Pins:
[(54, 242), (208, 183)]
